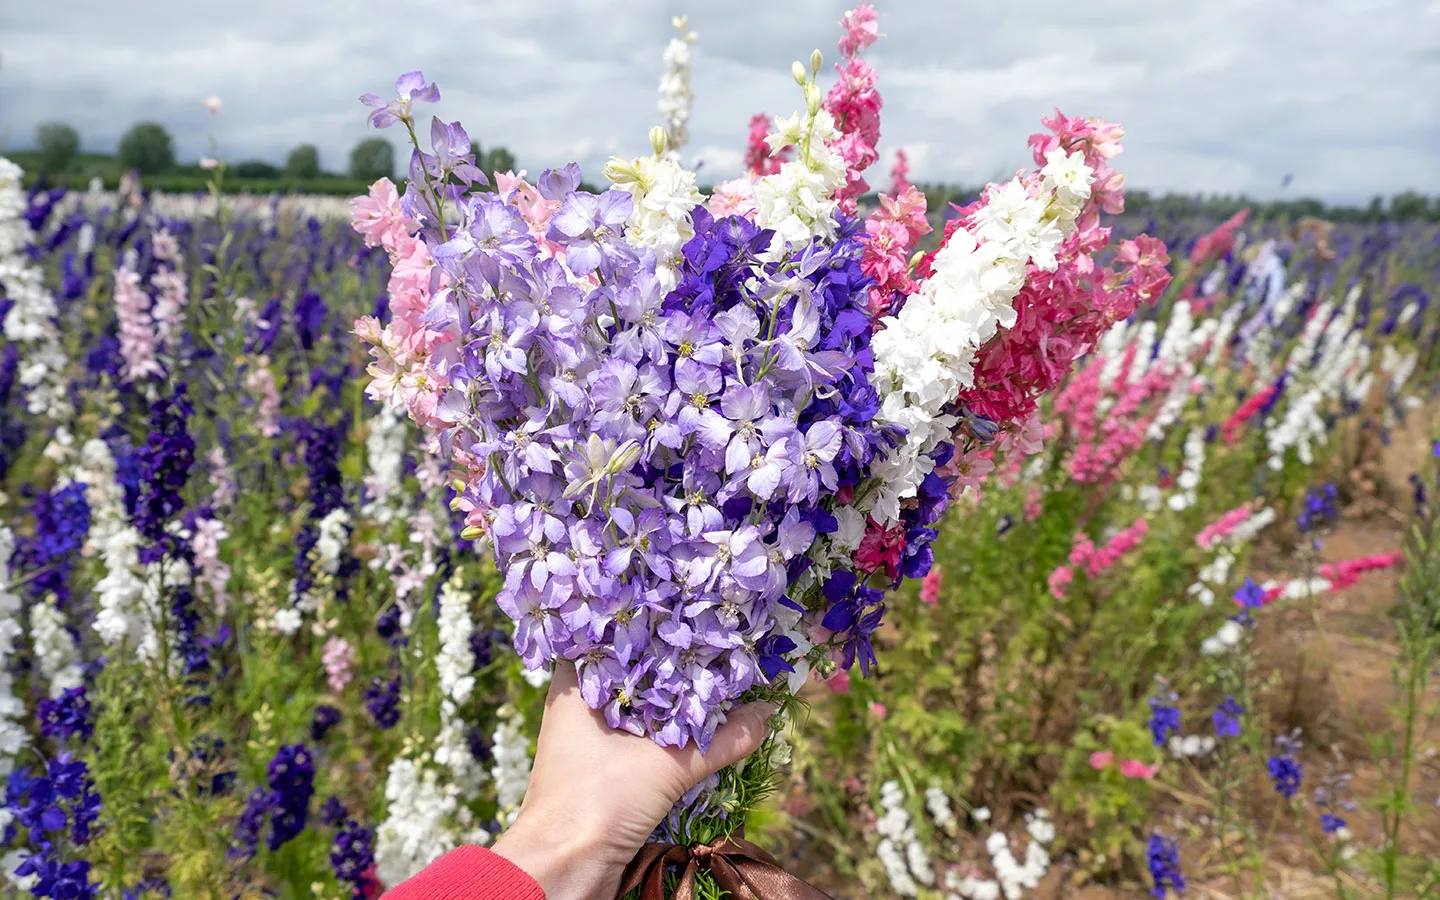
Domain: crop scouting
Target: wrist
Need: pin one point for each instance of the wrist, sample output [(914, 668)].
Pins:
[(568, 861)]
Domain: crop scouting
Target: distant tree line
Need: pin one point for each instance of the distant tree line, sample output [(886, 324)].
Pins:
[(148, 148)]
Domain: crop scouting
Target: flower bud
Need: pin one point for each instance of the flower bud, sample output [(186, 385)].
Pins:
[(658, 140), (798, 71), (816, 60), (471, 532)]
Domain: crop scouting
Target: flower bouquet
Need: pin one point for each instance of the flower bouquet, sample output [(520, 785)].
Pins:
[(705, 435)]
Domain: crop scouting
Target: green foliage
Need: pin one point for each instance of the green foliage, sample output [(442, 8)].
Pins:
[(254, 168), (372, 158), (303, 163), (147, 148), (58, 144)]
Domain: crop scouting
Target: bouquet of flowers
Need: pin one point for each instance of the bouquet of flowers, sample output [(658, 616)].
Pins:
[(705, 435)]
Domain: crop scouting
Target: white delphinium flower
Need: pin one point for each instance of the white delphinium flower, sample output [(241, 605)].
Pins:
[(105, 495), (13, 736), (664, 192), (385, 454), (940, 810), (675, 95), (907, 865), (1226, 639), (970, 887), (1189, 478), (511, 769), (30, 323), (55, 652), (120, 592), (797, 202), (1013, 875), (420, 820), (455, 660), (330, 542), (1191, 745), (924, 355), (1220, 341)]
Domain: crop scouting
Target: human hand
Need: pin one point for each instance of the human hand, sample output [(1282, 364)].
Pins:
[(596, 793)]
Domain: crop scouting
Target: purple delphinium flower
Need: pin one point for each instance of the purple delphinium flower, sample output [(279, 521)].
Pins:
[(324, 719), (1285, 769), (410, 88), (584, 225), (382, 701), (1329, 797), (66, 716), (165, 463), (291, 778), (352, 855), (56, 878), (1164, 717), (1162, 855), (62, 519), (1318, 509), (147, 887), (1227, 718)]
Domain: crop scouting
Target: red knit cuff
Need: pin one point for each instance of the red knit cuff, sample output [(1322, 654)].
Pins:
[(469, 873)]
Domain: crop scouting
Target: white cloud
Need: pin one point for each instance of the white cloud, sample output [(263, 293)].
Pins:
[(1219, 96)]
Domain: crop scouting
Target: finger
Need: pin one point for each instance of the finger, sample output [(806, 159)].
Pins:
[(745, 729)]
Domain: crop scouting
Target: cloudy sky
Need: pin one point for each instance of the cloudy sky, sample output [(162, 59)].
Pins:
[(1217, 96)]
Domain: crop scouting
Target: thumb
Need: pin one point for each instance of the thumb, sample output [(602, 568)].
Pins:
[(745, 729)]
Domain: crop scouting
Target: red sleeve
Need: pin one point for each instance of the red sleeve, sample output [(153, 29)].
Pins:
[(469, 873)]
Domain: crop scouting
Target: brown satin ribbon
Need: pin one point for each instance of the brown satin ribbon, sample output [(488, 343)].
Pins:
[(740, 868)]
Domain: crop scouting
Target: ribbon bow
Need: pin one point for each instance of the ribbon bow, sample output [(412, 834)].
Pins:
[(741, 869)]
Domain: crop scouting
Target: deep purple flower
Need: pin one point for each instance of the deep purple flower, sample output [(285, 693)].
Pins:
[(1227, 718), (382, 700), (1162, 855), (291, 778), (1164, 718), (58, 879), (352, 855), (324, 719), (66, 716)]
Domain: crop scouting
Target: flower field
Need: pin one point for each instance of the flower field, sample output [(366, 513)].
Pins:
[(270, 628)]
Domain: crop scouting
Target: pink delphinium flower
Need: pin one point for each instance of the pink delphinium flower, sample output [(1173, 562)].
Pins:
[(214, 573), (900, 173), (1345, 573), (880, 549), (890, 235), (1217, 243), (930, 586), (855, 105), (878, 710), (1101, 759), (209, 163), (1123, 542), (261, 385), (839, 683), (1134, 768), (1059, 580), (377, 216), (138, 340), (337, 658), (1033, 504), (1221, 528), (222, 478), (758, 159), (171, 297), (1232, 427)]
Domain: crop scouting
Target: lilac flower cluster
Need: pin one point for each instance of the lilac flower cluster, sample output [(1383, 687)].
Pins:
[(658, 466)]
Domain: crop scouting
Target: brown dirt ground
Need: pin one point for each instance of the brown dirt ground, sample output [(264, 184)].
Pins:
[(1325, 670)]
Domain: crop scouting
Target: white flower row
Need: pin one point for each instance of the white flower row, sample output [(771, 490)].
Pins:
[(30, 323)]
